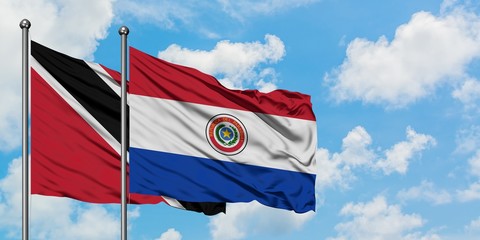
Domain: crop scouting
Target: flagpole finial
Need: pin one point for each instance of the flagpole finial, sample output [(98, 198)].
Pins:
[(123, 30), (25, 24)]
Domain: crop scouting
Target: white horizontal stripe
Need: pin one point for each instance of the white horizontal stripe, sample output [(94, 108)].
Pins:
[(57, 87), (179, 127)]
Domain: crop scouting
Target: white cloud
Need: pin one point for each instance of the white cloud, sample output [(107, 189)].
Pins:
[(378, 220), (357, 152), (471, 231), (134, 213), (170, 234), (11, 196), (473, 226), (337, 168), (198, 15), (52, 217), (244, 219), (470, 194), (164, 13), (171, 14), (413, 65), (420, 236), (73, 27), (234, 72), (91, 222), (474, 163), (468, 140), (425, 191), (332, 171), (243, 9), (448, 5), (398, 157), (70, 26), (468, 94)]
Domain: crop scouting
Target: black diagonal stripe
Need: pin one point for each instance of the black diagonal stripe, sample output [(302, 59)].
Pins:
[(208, 208), (84, 85)]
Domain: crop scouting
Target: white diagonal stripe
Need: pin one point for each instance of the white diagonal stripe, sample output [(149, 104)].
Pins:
[(105, 77), (57, 87), (173, 202)]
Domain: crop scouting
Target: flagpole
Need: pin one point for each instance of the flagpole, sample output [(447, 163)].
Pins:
[(123, 31), (25, 26)]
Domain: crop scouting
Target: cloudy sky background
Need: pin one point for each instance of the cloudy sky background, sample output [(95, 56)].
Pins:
[(395, 87)]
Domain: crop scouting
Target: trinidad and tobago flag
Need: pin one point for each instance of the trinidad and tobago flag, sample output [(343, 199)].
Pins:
[(75, 132)]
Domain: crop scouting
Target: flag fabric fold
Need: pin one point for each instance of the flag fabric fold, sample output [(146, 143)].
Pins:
[(195, 140), (75, 132)]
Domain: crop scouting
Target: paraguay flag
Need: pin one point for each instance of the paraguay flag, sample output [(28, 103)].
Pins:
[(194, 140)]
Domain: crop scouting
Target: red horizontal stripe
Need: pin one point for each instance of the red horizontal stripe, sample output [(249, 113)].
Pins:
[(150, 76)]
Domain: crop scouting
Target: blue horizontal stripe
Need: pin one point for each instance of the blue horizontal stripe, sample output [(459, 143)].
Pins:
[(197, 179)]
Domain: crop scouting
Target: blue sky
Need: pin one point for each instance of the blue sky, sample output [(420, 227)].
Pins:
[(395, 88)]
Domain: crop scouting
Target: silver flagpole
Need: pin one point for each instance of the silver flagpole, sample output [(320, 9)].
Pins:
[(123, 31), (25, 26)]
